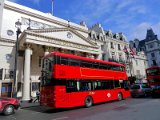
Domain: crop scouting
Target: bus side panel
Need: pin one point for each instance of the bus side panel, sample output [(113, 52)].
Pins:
[(75, 99), (102, 74), (63, 71), (61, 98), (126, 93), (102, 96), (69, 100)]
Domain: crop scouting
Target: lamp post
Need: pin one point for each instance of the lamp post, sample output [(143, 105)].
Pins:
[(18, 32)]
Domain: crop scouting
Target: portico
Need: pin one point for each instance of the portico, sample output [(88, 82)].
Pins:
[(34, 44)]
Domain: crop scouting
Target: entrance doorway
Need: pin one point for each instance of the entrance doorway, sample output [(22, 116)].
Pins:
[(6, 89)]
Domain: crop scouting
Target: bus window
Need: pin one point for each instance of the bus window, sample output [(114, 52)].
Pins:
[(116, 84), (153, 71), (108, 84), (71, 86), (73, 62), (86, 64), (97, 85), (47, 68), (116, 68), (103, 66), (111, 84), (154, 80), (96, 65), (64, 60), (122, 68), (85, 86), (57, 60), (105, 85), (109, 67)]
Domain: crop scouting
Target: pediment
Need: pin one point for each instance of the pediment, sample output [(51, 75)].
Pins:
[(65, 34)]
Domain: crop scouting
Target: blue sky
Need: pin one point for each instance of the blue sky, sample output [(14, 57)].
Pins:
[(132, 17)]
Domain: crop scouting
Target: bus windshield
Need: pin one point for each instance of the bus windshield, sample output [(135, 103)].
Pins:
[(153, 80), (47, 71)]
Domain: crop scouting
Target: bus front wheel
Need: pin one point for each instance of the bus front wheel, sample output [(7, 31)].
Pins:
[(120, 97), (88, 101)]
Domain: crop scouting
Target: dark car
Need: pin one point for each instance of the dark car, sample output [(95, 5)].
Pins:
[(142, 89), (8, 105), (155, 91)]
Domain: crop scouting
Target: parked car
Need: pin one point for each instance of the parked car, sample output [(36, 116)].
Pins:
[(8, 105), (142, 89), (155, 91)]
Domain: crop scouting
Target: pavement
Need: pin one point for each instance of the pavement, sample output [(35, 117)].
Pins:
[(28, 104)]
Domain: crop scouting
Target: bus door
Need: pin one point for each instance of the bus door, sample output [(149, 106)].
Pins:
[(73, 92)]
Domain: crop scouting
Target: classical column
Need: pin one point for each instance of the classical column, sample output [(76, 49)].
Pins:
[(0, 87), (26, 82), (46, 51)]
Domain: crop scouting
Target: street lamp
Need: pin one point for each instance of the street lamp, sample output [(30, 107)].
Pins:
[(18, 32)]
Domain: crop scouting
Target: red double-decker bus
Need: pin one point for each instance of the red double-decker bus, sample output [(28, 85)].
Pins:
[(153, 78), (70, 81)]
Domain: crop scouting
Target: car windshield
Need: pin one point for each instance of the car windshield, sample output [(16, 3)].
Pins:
[(135, 87), (145, 86)]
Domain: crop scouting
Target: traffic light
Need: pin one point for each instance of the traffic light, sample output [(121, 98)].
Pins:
[(1, 74), (11, 74)]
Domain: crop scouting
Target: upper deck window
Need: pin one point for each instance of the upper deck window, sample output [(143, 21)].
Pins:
[(154, 71)]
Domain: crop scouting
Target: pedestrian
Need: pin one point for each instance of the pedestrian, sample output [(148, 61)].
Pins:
[(37, 96)]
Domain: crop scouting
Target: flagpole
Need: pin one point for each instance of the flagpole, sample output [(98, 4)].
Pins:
[(52, 7)]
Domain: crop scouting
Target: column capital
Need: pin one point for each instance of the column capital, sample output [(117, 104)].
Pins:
[(46, 48), (27, 45)]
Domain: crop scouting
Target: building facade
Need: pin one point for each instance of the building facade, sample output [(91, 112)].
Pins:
[(150, 46), (42, 33), (112, 46)]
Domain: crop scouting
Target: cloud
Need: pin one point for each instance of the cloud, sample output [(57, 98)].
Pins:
[(89, 11), (140, 30), (123, 4), (35, 1), (138, 9), (106, 11), (13, 1)]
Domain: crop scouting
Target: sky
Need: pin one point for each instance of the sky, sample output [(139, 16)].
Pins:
[(131, 17)]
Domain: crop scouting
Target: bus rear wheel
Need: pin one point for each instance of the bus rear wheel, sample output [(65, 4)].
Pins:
[(88, 101), (120, 97)]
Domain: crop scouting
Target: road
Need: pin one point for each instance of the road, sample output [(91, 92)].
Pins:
[(129, 109)]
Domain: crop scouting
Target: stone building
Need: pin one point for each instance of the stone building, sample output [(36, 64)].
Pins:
[(150, 46), (42, 33), (112, 47)]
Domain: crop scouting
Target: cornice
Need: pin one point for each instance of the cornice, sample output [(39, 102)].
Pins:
[(155, 50), (119, 41), (42, 17), (7, 42)]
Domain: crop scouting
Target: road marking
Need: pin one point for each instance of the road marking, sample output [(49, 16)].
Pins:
[(36, 113), (60, 118)]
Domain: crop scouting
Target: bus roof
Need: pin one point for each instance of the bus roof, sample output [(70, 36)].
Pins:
[(83, 58), (152, 67)]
